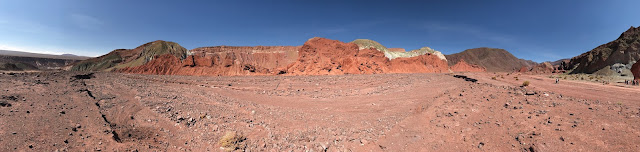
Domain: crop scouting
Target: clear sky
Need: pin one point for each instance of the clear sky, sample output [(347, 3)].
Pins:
[(541, 30)]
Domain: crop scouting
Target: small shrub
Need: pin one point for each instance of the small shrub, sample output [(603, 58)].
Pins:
[(493, 78), (525, 83), (232, 141)]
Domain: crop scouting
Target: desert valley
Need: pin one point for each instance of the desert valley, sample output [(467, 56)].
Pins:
[(324, 95)]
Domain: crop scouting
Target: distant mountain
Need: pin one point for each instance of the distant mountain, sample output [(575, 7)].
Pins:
[(493, 59), (38, 55), (625, 50), (20, 61)]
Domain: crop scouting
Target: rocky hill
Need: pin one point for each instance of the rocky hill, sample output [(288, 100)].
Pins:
[(494, 60), (463, 66), (624, 50), (123, 58), (223, 61), (320, 56)]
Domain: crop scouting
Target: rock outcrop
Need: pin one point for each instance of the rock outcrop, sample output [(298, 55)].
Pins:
[(223, 61), (561, 66), (494, 60), (542, 68), (624, 50), (320, 56), (463, 66), (125, 58), (635, 70)]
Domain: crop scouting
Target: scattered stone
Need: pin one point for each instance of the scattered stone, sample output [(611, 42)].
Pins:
[(5, 104), (480, 145)]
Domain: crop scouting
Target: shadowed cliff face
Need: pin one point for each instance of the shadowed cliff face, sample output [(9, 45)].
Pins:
[(624, 50)]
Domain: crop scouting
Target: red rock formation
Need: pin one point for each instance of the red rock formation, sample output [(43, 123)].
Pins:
[(544, 67), (223, 61), (524, 69), (428, 63), (320, 56), (463, 66), (635, 70)]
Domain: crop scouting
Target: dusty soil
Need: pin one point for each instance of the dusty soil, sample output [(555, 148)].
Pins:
[(385, 112)]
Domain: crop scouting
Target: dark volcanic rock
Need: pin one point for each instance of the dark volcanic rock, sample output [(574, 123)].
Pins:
[(623, 50)]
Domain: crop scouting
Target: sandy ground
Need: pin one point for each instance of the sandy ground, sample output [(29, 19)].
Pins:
[(386, 112)]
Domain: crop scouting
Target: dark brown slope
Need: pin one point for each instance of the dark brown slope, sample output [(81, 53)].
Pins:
[(623, 50), (494, 60)]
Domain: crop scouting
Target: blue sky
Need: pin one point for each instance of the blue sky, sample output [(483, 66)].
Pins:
[(537, 30)]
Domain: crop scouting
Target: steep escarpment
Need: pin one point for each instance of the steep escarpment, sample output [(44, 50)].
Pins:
[(320, 56), (494, 60), (223, 61), (124, 58), (624, 50)]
